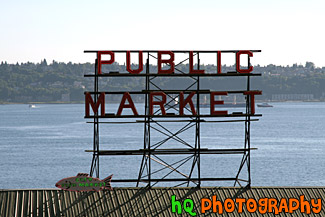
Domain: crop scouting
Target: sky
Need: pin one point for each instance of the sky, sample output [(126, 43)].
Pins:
[(287, 31)]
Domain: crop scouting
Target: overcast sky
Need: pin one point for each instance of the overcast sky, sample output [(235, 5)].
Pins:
[(287, 31)]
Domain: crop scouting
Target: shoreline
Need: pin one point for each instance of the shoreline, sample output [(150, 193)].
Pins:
[(117, 102)]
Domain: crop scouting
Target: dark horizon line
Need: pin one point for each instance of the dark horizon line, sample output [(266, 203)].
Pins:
[(54, 61)]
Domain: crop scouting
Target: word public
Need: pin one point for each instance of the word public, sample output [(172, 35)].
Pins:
[(169, 61)]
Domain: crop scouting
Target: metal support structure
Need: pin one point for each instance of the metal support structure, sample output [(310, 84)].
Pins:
[(95, 161), (151, 152)]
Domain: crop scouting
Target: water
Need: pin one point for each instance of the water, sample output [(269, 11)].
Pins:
[(42, 145)]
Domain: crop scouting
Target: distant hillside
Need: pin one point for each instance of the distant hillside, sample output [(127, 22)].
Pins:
[(43, 82)]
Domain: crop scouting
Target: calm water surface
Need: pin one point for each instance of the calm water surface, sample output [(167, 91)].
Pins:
[(42, 145)]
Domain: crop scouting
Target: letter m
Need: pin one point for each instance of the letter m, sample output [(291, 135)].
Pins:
[(100, 101)]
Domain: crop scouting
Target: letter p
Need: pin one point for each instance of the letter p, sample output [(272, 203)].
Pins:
[(205, 204)]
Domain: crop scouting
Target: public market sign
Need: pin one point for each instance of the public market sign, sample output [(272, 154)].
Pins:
[(159, 98)]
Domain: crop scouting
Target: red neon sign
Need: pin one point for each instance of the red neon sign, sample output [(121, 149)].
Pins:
[(158, 99), (169, 61)]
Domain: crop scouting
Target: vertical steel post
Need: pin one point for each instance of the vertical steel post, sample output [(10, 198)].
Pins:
[(198, 122), (248, 131), (95, 160), (149, 120)]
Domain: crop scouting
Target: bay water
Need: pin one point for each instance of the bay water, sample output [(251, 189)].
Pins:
[(41, 145)]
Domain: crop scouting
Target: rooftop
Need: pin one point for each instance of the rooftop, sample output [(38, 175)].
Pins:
[(144, 201)]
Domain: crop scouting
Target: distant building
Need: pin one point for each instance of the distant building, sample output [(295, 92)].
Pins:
[(65, 97), (57, 84), (22, 99), (77, 84), (293, 97)]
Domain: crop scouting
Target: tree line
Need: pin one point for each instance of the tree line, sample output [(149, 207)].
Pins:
[(49, 82)]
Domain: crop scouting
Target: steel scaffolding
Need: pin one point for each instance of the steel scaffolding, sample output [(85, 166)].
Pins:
[(157, 122)]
